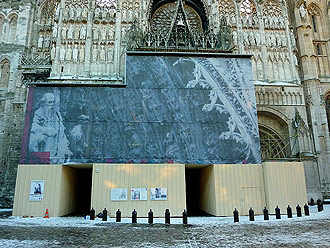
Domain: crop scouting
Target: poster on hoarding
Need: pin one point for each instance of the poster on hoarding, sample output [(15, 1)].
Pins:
[(158, 193), (139, 194), (37, 190), (119, 194)]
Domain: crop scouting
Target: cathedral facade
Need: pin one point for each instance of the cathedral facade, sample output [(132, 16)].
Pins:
[(85, 42)]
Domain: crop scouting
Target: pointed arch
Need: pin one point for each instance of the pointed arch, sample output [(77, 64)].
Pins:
[(4, 73), (12, 27), (272, 8)]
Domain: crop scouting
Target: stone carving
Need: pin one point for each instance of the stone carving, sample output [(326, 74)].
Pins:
[(102, 54), (83, 32), (52, 52), (70, 32), (302, 12), (40, 41), (95, 33), (94, 52), (54, 30), (75, 53), (62, 53), (64, 32), (82, 53), (68, 53)]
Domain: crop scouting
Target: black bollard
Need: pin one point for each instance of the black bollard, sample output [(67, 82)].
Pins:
[(319, 205), (185, 217), (118, 216), (167, 216), (266, 214), (236, 218), (92, 214), (134, 216), (105, 214), (289, 211), (150, 217), (306, 209), (278, 213), (298, 208), (251, 214), (312, 201)]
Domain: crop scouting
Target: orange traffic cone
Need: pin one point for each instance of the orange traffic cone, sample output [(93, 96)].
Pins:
[(46, 214)]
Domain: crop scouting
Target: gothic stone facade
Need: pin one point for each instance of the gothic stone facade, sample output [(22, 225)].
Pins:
[(84, 42)]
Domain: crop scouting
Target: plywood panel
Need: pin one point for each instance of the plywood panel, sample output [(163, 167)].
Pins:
[(238, 186), (51, 174), (285, 185), (207, 186), (170, 176)]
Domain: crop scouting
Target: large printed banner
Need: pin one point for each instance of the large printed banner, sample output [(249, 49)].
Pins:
[(192, 110)]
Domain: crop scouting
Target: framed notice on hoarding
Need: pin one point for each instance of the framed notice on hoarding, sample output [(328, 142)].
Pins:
[(139, 194), (37, 190), (119, 194), (158, 194)]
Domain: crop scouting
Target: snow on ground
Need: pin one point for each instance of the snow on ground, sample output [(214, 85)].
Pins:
[(6, 209), (198, 221)]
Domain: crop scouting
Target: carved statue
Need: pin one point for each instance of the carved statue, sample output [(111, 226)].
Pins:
[(110, 54), (52, 52), (77, 33), (111, 33), (251, 38), (235, 38), (62, 53), (65, 14), (70, 32), (97, 13), (83, 32), (102, 54), (64, 31), (257, 38), (94, 53), (245, 38), (82, 53), (293, 40), (284, 40), (40, 41), (95, 33), (72, 13), (103, 33), (84, 13), (303, 12), (278, 39), (54, 30), (47, 42), (75, 53), (68, 53), (78, 12)]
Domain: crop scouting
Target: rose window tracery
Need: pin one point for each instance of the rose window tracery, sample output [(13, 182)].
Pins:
[(272, 8), (248, 8), (108, 4), (226, 7), (163, 16)]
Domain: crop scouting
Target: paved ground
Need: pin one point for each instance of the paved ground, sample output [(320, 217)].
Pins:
[(308, 231)]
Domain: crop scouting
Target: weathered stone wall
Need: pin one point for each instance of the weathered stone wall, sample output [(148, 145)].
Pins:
[(289, 41)]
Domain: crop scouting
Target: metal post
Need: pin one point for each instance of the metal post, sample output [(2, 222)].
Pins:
[(134, 216), (185, 217), (289, 211), (150, 217), (298, 208), (92, 214), (319, 205), (236, 218), (105, 214), (306, 209), (278, 213), (251, 214), (312, 201), (266, 214), (167, 216), (118, 216)]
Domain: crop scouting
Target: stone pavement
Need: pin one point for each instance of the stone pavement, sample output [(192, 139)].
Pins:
[(303, 232)]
